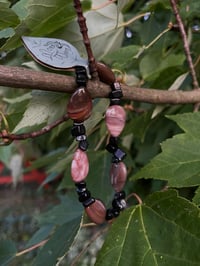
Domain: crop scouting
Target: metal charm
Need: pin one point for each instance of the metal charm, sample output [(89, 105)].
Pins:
[(54, 53)]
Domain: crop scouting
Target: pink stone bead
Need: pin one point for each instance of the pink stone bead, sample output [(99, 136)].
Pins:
[(96, 212), (79, 166), (115, 119), (118, 175)]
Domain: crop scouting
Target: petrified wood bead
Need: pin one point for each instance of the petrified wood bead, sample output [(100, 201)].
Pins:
[(118, 175), (105, 73), (115, 120), (79, 107), (96, 212), (79, 166)]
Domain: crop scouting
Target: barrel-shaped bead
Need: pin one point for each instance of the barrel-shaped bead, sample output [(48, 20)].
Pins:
[(115, 119), (105, 73), (118, 175), (96, 212), (79, 107), (79, 166)]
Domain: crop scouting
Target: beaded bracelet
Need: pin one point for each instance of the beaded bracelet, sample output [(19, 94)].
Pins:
[(79, 109)]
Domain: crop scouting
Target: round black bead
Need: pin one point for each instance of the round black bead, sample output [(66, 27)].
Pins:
[(88, 202), (84, 196), (119, 205), (83, 145), (109, 214), (120, 195), (80, 186), (112, 213)]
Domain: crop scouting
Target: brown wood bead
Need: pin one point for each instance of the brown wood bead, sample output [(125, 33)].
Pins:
[(105, 73), (96, 212), (79, 107), (118, 175)]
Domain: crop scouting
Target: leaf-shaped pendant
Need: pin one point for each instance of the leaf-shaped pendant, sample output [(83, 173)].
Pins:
[(54, 53)]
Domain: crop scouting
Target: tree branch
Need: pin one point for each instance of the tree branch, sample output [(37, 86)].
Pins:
[(18, 77), (185, 43)]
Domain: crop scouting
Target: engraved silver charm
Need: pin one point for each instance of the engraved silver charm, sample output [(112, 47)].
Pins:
[(54, 53)]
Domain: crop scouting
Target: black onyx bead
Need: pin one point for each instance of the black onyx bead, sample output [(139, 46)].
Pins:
[(88, 202), (119, 204), (83, 145), (109, 214), (80, 186), (112, 145), (119, 155), (120, 195), (84, 196), (81, 76), (112, 213), (116, 86), (115, 102), (78, 130), (115, 94)]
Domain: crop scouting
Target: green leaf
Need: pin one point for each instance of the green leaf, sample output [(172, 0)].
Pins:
[(42, 18), (44, 107), (62, 213), (162, 231), (7, 251), (58, 245), (152, 64), (179, 162), (8, 18), (104, 30)]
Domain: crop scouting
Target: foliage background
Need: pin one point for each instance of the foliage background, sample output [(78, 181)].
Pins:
[(164, 229)]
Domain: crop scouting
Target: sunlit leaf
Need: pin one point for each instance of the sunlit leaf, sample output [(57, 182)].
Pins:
[(155, 233), (44, 107)]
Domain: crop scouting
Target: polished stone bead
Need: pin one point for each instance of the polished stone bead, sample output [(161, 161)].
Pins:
[(79, 166), (79, 107), (118, 174), (115, 120), (96, 212), (106, 75)]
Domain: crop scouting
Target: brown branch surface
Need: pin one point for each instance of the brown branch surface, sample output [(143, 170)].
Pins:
[(18, 77), (185, 43)]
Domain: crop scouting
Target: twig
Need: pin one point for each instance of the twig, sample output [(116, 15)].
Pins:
[(185, 44), (10, 137), (42, 243), (86, 40), (98, 234), (18, 77)]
